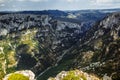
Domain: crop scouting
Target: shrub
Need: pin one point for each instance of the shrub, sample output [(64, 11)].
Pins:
[(71, 76), (16, 76)]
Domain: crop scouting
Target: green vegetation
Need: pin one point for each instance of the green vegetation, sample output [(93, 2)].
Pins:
[(72, 76), (63, 65), (16, 76), (1, 74), (8, 46), (28, 38)]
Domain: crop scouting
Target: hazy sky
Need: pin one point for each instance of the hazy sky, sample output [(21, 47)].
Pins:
[(17, 5)]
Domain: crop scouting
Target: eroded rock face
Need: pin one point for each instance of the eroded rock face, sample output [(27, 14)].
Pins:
[(34, 42), (103, 40), (3, 32), (43, 40), (26, 73), (74, 75)]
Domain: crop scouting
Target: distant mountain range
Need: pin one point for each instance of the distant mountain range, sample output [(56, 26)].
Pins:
[(77, 16), (62, 12)]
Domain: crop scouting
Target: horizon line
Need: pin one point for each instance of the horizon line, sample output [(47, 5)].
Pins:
[(57, 9)]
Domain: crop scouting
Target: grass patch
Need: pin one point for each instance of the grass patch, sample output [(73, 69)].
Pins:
[(8, 46), (72, 76), (16, 76)]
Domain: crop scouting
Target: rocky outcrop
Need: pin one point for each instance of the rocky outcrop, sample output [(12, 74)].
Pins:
[(103, 40), (34, 42), (98, 51), (26, 73), (74, 75), (41, 43)]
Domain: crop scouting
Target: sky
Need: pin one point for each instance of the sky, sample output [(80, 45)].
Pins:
[(22, 5)]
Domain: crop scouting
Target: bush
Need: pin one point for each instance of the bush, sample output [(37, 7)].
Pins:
[(16, 76), (71, 76)]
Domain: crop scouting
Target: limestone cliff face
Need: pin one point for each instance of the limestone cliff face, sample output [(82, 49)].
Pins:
[(41, 43), (34, 42), (99, 52)]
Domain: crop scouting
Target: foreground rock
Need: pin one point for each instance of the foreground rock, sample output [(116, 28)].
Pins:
[(74, 75), (29, 75)]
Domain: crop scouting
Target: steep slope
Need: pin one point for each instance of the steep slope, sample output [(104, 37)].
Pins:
[(43, 44), (85, 18), (34, 42), (98, 52)]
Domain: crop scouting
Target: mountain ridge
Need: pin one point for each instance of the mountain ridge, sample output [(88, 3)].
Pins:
[(53, 45)]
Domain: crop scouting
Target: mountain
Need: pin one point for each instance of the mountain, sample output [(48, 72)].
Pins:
[(102, 43), (55, 13), (47, 45), (98, 52), (34, 42), (86, 18)]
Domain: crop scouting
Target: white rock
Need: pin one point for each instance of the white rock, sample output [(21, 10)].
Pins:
[(27, 73)]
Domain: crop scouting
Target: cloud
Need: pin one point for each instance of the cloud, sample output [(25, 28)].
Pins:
[(21, 0), (105, 2), (32, 0), (72, 1), (38, 0), (5, 1), (2, 5), (1, 1)]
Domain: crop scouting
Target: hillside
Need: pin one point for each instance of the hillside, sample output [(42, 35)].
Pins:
[(47, 45), (34, 42), (98, 52)]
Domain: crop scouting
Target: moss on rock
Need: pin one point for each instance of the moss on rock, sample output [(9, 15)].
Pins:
[(16, 76)]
